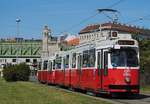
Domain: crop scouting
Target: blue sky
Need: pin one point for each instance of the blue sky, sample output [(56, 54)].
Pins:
[(60, 15)]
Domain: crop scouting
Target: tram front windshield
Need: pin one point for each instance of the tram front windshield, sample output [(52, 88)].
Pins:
[(124, 58)]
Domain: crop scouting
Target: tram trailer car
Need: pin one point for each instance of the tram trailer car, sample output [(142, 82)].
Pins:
[(110, 66)]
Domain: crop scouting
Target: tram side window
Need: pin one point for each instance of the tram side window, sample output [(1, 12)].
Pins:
[(79, 65), (58, 63), (74, 60), (53, 64), (85, 62), (45, 65), (92, 58), (99, 60), (105, 63), (39, 65), (67, 62), (50, 66), (89, 58)]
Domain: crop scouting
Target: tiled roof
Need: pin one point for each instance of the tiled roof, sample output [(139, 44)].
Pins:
[(73, 42), (115, 26)]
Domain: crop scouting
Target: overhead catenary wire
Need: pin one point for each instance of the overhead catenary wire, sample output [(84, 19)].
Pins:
[(108, 16), (135, 20), (138, 19), (116, 3), (92, 16), (85, 20)]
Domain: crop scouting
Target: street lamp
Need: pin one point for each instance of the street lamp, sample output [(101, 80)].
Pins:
[(18, 32), (18, 21)]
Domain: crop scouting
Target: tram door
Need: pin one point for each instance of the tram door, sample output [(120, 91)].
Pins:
[(102, 65)]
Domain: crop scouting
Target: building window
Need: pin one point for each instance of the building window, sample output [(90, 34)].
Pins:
[(95, 36), (87, 37), (34, 60), (13, 60), (27, 60), (90, 36), (2, 60)]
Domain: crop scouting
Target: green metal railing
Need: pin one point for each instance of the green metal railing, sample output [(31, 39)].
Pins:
[(20, 49)]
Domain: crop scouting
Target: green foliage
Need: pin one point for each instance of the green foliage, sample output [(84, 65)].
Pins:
[(19, 72), (32, 93), (145, 61), (145, 89)]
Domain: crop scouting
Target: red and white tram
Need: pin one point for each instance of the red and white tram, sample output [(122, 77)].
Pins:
[(109, 66)]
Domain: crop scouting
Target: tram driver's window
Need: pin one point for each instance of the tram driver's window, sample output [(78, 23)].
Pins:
[(74, 60), (91, 58)]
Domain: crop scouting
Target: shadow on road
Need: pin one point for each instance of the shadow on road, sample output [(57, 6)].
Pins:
[(125, 96), (140, 96)]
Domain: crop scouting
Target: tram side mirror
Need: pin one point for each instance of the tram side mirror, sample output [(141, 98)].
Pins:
[(114, 65)]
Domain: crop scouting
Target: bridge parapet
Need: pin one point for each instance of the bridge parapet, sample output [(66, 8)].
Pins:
[(20, 49)]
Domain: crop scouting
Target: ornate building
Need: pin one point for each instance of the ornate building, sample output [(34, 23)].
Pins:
[(49, 44), (103, 31)]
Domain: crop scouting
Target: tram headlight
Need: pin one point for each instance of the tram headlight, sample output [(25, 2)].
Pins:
[(127, 79)]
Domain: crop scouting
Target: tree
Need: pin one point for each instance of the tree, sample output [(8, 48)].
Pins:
[(19, 72)]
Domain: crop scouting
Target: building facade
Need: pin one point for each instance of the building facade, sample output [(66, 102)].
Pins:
[(103, 31), (50, 44)]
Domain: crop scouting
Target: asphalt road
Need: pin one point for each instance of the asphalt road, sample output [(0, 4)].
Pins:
[(136, 99)]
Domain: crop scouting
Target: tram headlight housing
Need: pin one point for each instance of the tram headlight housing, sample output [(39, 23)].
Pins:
[(127, 79)]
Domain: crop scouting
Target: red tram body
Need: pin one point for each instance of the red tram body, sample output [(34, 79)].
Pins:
[(109, 66)]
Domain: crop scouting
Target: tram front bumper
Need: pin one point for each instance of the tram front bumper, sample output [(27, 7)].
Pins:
[(124, 88)]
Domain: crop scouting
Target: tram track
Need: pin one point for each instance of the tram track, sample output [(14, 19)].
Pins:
[(136, 99), (143, 98)]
